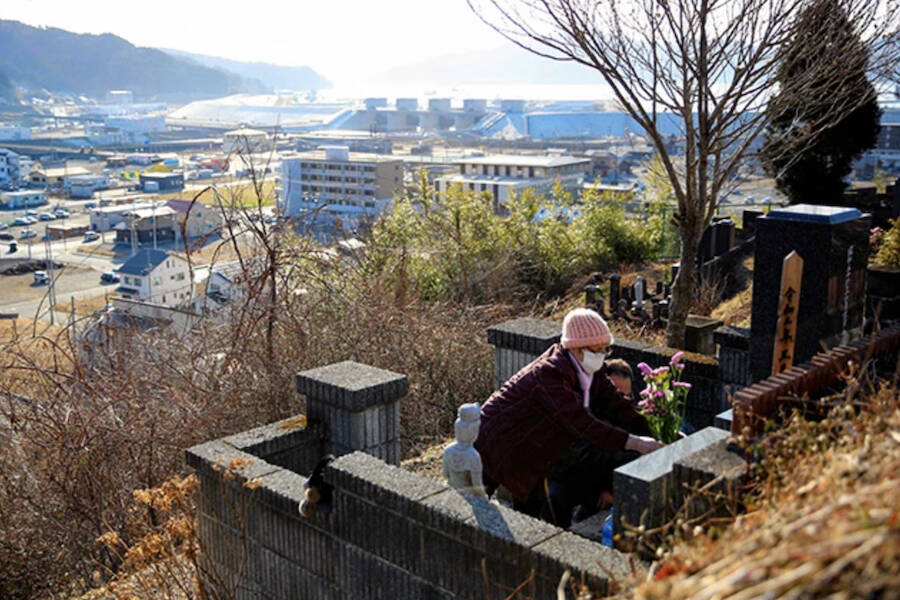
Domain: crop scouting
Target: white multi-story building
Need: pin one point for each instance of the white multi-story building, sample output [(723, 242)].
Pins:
[(502, 175), (155, 276), (338, 182), (9, 167)]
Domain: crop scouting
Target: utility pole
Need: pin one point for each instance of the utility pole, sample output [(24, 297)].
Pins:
[(51, 293)]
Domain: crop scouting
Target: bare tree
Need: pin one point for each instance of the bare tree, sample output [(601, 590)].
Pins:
[(707, 67)]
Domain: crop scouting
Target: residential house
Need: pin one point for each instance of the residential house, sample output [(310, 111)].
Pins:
[(230, 282), (105, 218), (153, 225), (157, 277), (56, 177), (196, 219)]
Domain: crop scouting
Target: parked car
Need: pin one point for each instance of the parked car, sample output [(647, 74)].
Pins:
[(31, 213), (13, 247), (90, 205), (46, 217), (41, 277), (31, 220), (27, 233), (22, 221), (109, 277), (61, 214), (90, 236), (4, 226), (6, 236)]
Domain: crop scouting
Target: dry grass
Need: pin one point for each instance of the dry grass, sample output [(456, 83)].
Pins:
[(237, 195), (429, 463), (825, 521), (736, 310), (88, 306), (97, 250)]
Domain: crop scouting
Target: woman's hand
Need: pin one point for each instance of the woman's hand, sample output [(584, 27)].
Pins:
[(642, 444)]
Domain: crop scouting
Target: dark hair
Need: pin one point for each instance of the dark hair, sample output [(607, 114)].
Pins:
[(617, 366)]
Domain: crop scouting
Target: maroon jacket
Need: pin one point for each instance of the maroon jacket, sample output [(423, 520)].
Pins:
[(528, 423)]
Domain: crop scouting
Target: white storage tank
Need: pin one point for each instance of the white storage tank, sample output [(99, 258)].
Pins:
[(373, 103), (475, 105), (441, 104)]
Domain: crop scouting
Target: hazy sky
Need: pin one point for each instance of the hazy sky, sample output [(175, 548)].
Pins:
[(342, 39)]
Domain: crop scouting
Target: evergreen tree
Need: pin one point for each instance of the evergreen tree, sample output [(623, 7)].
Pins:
[(813, 172)]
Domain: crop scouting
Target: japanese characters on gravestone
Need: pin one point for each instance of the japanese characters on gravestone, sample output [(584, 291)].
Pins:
[(786, 327), (834, 244)]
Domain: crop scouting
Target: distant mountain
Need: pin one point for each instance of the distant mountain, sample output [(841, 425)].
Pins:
[(62, 61), (274, 76), (504, 65), (7, 90)]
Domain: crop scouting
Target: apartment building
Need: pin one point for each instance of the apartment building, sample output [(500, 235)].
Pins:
[(338, 183), (503, 176)]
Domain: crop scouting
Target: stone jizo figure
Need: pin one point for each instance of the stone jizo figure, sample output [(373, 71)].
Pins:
[(462, 463)]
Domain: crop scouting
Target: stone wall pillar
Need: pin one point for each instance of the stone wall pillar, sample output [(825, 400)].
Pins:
[(517, 343), (359, 406)]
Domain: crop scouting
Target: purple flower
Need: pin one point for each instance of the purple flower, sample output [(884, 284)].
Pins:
[(681, 384), (659, 394), (660, 371), (645, 392), (644, 368), (676, 358)]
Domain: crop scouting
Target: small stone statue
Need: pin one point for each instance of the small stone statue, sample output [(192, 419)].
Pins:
[(462, 463)]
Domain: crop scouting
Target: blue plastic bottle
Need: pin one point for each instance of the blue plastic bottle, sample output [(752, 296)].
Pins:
[(608, 530)]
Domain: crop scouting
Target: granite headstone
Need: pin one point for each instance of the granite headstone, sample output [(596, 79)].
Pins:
[(834, 244)]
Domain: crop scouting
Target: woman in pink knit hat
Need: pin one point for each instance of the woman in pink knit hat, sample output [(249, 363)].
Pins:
[(560, 425)]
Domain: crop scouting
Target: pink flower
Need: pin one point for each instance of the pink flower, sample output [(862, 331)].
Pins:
[(681, 384), (676, 358), (645, 392), (644, 368), (660, 371)]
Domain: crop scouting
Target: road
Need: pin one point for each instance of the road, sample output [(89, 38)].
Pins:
[(27, 299)]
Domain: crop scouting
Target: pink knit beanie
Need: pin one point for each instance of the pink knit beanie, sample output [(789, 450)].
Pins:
[(584, 327)]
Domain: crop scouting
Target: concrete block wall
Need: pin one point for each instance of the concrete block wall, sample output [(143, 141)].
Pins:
[(518, 342), (389, 533), (358, 405)]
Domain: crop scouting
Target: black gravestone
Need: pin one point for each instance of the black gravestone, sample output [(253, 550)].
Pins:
[(834, 245)]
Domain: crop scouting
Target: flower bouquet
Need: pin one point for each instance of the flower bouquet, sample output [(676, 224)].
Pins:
[(662, 401)]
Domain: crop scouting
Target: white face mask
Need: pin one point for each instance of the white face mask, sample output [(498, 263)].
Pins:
[(593, 361)]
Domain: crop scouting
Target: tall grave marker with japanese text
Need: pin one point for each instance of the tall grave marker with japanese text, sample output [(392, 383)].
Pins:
[(786, 327), (833, 242)]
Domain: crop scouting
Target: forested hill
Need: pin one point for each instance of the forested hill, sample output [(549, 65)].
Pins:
[(62, 61), (278, 77)]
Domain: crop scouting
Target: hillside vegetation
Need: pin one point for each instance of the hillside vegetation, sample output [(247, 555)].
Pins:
[(62, 61)]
